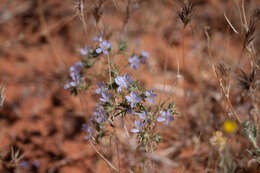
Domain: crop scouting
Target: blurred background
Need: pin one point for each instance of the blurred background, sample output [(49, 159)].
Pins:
[(41, 39)]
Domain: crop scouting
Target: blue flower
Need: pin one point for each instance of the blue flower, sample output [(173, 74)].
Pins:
[(24, 164), (76, 67), (150, 95), (133, 98), (84, 50), (67, 85), (75, 74), (142, 115), (88, 130), (130, 111), (102, 87), (144, 57), (134, 62), (36, 163), (73, 84), (75, 70), (105, 97), (138, 126), (99, 37), (123, 82), (104, 46), (99, 115), (165, 116)]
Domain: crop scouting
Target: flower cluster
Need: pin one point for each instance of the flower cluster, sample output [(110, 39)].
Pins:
[(133, 99), (135, 60), (124, 97), (75, 75), (100, 115), (98, 38), (84, 51), (89, 58), (165, 116), (120, 97), (139, 124), (123, 82), (104, 46), (88, 130), (150, 95)]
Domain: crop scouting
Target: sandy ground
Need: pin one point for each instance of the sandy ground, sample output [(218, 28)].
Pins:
[(39, 41)]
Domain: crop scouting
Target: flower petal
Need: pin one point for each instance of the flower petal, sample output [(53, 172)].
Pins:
[(134, 130), (98, 50), (161, 119)]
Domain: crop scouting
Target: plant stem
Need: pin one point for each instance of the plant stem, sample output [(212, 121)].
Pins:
[(109, 68)]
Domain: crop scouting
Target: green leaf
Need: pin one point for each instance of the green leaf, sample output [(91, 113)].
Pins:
[(122, 46), (250, 131)]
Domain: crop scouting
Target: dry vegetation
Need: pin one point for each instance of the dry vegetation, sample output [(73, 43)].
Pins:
[(204, 55)]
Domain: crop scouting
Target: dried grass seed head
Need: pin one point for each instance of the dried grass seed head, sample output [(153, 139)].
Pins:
[(79, 6), (250, 34), (97, 10), (224, 73), (186, 12), (223, 69), (13, 156), (246, 81)]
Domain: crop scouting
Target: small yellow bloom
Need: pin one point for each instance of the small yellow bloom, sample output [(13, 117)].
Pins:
[(229, 126)]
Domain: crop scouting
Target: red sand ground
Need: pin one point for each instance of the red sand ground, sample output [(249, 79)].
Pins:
[(45, 121)]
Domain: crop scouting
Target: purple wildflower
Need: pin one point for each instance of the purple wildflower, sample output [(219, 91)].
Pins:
[(142, 115), (84, 50), (165, 116), (36, 164), (76, 68), (123, 82), (75, 74), (130, 111), (104, 46), (88, 130), (150, 95), (134, 62), (99, 115), (144, 57), (105, 97), (99, 37), (73, 84), (67, 85), (138, 126), (133, 98), (24, 164), (102, 87)]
